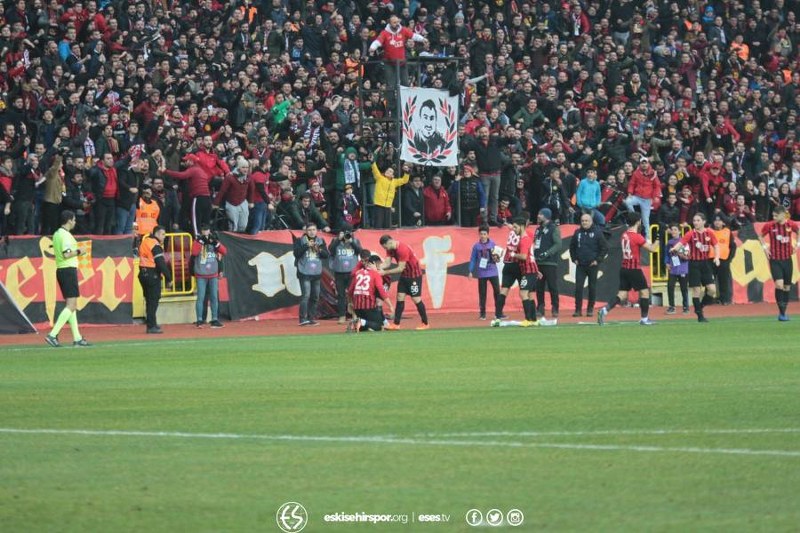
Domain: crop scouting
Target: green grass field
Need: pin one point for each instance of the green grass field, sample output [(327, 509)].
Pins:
[(678, 427)]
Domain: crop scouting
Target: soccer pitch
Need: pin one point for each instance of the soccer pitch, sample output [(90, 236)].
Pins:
[(677, 427)]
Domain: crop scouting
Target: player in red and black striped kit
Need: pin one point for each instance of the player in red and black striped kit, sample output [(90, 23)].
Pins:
[(511, 271), (410, 282), (631, 275), (700, 242), (780, 252), (366, 288), (529, 273)]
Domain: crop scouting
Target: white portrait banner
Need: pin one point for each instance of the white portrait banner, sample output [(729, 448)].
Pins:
[(430, 127)]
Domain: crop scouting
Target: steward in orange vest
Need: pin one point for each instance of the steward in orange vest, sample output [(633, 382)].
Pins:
[(152, 266), (147, 211), (727, 249)]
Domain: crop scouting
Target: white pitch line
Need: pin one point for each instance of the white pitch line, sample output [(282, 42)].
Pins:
[(612, 432), (401, 440)]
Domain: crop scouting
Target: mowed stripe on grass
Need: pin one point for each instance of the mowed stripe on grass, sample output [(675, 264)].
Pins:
[(406, 422)]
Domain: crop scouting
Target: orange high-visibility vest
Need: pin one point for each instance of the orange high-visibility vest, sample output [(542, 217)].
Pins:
[(146, 216), (724, 240), (146, 258)]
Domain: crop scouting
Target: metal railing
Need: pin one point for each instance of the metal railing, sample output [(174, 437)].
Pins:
[(658, 269), (178, 254)]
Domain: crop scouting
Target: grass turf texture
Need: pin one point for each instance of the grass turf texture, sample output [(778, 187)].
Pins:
[(433, 391)]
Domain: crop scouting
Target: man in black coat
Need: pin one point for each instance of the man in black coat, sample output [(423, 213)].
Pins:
[(587, 249)]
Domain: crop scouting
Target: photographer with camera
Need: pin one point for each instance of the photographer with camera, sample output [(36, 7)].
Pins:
[(345, 250), (309, 251), (206, 267)]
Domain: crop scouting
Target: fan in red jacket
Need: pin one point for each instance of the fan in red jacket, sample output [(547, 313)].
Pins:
[(644, 189), (437, 208), (393, 41)]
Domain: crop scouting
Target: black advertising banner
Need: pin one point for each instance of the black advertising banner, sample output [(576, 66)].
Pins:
[(262, 277), (105, 276)]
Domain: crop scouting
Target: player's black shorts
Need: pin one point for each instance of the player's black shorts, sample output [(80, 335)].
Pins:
[(781, 269), (527, 282), (700, 273), (632, 279), (373, 317), (68, 281), (410, 286), (511, 273)]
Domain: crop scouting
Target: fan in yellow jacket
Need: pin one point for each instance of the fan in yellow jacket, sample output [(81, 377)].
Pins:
[(386, 186)]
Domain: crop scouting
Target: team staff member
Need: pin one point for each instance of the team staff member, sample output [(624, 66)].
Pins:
[(66, 253), (780, 252), (631, 275), (587, 249), (152, 266), (701, 242), (547, 251), (366, 288), (410, 282), (529, 272), (727, 249)]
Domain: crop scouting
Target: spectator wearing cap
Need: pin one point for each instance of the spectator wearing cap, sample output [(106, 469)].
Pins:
[(644, 188), (469, 197), (547, 252), (349, 208), (588, 196), (237, 188), (437, 208)]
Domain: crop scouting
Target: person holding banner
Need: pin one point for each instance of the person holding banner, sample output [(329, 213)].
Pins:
[(66, 252)]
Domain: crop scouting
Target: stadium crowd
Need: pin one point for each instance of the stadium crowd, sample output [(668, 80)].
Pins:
[(133, 113)]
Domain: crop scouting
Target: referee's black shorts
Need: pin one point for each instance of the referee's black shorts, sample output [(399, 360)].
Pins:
[(700, 273), (781, 269), (632, 279), (68, 281)]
